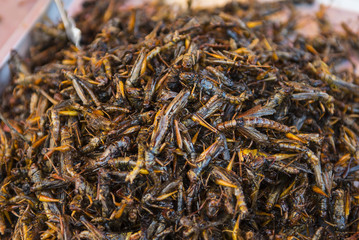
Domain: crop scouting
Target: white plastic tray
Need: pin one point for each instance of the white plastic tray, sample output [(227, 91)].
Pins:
[(20, 39)]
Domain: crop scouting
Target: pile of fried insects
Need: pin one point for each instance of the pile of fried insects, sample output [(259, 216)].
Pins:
[(220, 123)]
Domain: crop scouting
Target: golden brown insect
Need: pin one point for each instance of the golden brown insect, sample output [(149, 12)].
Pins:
[(247, 121), (255, 122), (322, 70), (140, 155), (51, 210), (229, 181), (339, 216), (322, 96), (190, 58), (193, 123)]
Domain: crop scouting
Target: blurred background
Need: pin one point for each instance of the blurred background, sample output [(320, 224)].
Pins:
[(14, 12), (17, 17)]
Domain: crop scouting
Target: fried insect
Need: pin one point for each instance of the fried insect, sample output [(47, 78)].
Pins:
[(169, 123)]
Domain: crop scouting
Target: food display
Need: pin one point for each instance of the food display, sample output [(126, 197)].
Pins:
[(168, 123)]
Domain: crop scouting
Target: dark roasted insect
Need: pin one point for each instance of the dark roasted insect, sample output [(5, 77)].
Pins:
[(224, 123)]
